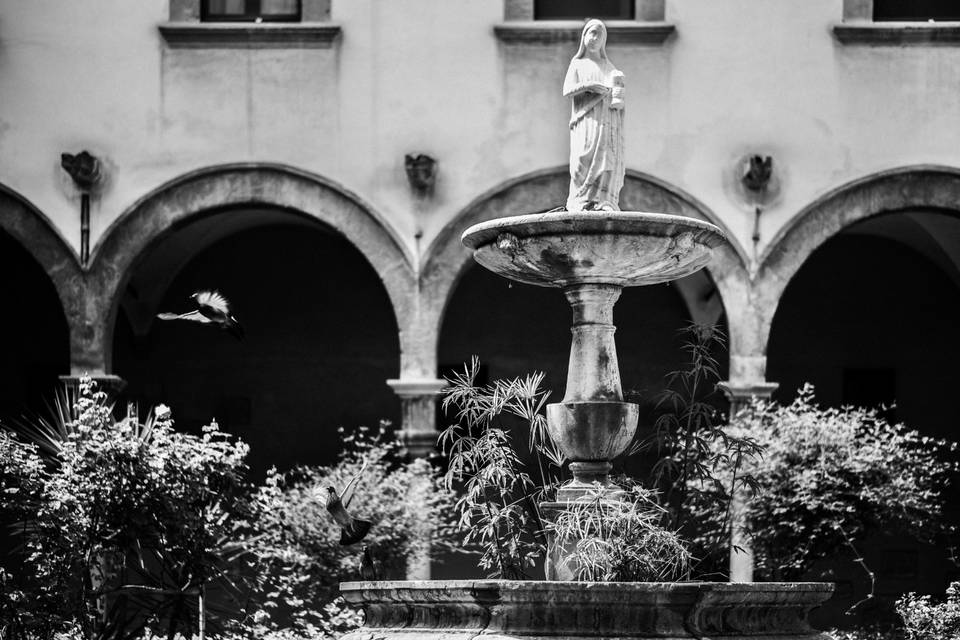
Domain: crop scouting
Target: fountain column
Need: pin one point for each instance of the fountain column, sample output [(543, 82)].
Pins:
[(593, 373), (592, 424)]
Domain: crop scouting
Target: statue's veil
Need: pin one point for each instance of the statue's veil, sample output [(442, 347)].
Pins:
[(603, 40)]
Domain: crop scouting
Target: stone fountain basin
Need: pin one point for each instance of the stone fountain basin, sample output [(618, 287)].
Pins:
[(623, 248), (510, 609)]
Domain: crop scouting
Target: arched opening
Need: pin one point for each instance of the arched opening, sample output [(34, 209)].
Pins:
[(870, 318), (37, 348), (321, 336)]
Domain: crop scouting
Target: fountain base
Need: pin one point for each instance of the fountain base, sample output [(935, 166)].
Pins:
[(511, 610)]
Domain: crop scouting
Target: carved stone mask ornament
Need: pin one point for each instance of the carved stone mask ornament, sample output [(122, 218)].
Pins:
[(757, 172), (83, 168), (421, 172)]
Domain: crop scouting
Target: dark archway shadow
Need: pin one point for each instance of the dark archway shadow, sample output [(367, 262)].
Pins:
[(321, 339), (37, 348)]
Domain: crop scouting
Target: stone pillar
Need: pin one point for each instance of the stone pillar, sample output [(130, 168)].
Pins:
[(418, 398), (418, 402), (91, 335), (749, 383)]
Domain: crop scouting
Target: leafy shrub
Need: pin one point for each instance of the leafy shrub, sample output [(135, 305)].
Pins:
[(924, 619), (829, 476), (499, 509), (700, 463), (296, 546), (125, 525), (614, 535)]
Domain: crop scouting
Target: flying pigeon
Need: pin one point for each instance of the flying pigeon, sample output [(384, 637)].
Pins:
[(352, 530), (212, 308)]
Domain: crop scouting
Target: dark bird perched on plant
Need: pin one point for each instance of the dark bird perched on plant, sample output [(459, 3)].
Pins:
[(352, 530), (212, 308), (368, 568)]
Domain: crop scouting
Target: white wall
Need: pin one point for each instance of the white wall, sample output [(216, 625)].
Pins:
[(429, 76)]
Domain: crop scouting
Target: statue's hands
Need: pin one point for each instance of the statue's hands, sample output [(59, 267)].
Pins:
[(573, 88), (593, 87)]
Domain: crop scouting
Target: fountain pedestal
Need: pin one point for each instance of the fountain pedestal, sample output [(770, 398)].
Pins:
[(592, 424)]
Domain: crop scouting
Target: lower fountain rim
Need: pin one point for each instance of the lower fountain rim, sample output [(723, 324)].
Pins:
[(555, 585), (520, 609), (590, 222)]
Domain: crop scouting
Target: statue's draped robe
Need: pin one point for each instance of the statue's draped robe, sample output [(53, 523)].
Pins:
[(596, 140)]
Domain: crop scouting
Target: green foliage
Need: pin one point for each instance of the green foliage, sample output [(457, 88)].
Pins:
[(830, 476), (125, 525), (499, 509), (295, 543), (700, 460), (924, 619), (499, 506), (615, 535)]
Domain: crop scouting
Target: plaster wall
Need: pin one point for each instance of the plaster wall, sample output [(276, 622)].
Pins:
[(739, 76)]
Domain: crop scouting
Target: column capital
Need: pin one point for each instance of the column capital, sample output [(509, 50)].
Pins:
[(416, 387), (741, 393), (418, 399), (747, 390)]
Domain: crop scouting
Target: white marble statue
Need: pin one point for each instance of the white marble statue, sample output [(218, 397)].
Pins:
[(596, 126)]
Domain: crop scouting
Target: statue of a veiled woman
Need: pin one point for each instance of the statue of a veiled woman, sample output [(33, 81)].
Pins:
[(596, 136)]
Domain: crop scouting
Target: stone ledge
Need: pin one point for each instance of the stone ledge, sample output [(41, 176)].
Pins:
[(554, 31), (747, 390), (898, 33), (509, 609), (196, 35), (417, 387)]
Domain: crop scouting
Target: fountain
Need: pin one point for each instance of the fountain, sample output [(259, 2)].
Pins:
[(591, 251)]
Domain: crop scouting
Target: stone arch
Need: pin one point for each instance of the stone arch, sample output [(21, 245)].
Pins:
[(929, 187), (34, 231), (446, 259), (232, 187), (44, 301)]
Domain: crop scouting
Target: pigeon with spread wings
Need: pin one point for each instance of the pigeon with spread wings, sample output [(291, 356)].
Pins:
[(352, 530), (212, 308)]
